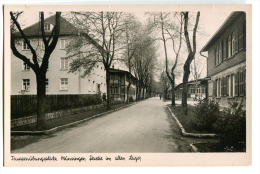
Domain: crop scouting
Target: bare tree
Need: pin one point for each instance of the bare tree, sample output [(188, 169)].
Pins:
[(196, 69), (99, 40), (175, 34), (39, 66), (191, 54)]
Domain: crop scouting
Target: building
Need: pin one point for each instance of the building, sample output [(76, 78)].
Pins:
[(59, 81), (196, 90), (226, 62), (119, 81)]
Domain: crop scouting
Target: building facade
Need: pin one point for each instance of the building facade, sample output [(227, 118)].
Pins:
[(226, 63), (196, 90), (58, 80), (119, 81)]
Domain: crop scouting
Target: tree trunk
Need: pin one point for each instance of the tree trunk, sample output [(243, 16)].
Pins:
[(127, 89), (143, 92), (41, 101), (173, 91), (108, 89), (139, 95), (185, 87)]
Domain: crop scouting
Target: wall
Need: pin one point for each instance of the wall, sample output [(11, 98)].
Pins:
[(76, 85), (239, 57)]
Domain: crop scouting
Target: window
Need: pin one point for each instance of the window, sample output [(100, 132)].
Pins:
[(241, 37), (47, 27), (25, 46), (89, 86), (26, 84), (64, 63), (64, 84), (203, 90), (62, 43), (198, 90), (217, 56), (220, 53), (94, 86), (25, 66), (219, 88), (192, 90), (233, 44), (229, 46), (47, 84)]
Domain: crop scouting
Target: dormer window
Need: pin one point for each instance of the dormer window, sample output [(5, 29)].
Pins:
[(47, 27)]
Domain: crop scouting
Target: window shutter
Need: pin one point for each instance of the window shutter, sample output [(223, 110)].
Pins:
[(225, 49), (244, 35), (214, 88), (236, 40), (241, 82), (240, 41), (236, 84), (222, 86), (215, 56), (220, 52), (227, 86)]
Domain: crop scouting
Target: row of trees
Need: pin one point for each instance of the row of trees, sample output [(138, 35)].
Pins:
[(176, 27), (102, 37)]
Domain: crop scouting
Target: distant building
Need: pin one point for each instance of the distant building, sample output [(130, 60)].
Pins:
[(226, 63), (59, 81), (196, 90), (119, 81)]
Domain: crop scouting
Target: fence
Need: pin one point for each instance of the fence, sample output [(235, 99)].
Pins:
[(26, 105)]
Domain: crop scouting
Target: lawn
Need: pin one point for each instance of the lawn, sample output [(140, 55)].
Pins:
[(186, 120), (68, 119), (217, 147)]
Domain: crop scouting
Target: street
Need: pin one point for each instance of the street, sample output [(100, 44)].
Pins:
[(144, 127)]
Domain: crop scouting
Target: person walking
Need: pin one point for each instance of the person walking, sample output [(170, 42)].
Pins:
[(160, 96)]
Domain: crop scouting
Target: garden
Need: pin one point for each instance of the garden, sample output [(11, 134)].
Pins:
[(229, 125)]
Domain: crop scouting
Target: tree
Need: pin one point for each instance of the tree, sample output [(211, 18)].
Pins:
[(132, 44), (144, 65), (191, 54), (196, 70), (165, 83), (99, 40), (175, 33), (137, 38), (39, 64)]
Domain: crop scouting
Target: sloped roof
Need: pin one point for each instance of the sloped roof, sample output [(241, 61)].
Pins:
[(66, 28), (228, 22), (111, 70)]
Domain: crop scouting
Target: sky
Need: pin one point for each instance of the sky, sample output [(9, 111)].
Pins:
[(208, 23)]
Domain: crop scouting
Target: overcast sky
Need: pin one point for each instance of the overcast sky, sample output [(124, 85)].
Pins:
[(208, 23)]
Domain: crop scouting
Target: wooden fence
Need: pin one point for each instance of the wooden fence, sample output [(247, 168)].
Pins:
[(26, 105)]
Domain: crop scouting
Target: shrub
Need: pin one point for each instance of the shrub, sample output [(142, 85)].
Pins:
[(206, 114), (231, 125)]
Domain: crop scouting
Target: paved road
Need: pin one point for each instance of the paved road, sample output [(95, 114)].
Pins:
[(143, 127)]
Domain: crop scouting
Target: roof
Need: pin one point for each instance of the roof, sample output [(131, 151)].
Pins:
[(228, 22), (66, 28), (111, 70), (193, 82)]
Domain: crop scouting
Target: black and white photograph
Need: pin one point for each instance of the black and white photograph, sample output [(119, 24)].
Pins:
[(144, 85)]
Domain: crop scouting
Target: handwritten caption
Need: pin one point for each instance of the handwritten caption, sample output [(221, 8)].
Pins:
[(79, 159)]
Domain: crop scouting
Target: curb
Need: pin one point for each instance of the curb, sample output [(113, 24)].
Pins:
[(51, 131), (185, 134)]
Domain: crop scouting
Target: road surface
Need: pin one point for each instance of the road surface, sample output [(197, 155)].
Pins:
[(144, 127)]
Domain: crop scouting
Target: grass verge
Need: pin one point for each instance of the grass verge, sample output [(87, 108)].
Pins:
[(217, 147), (68, 119), (186, 120)]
